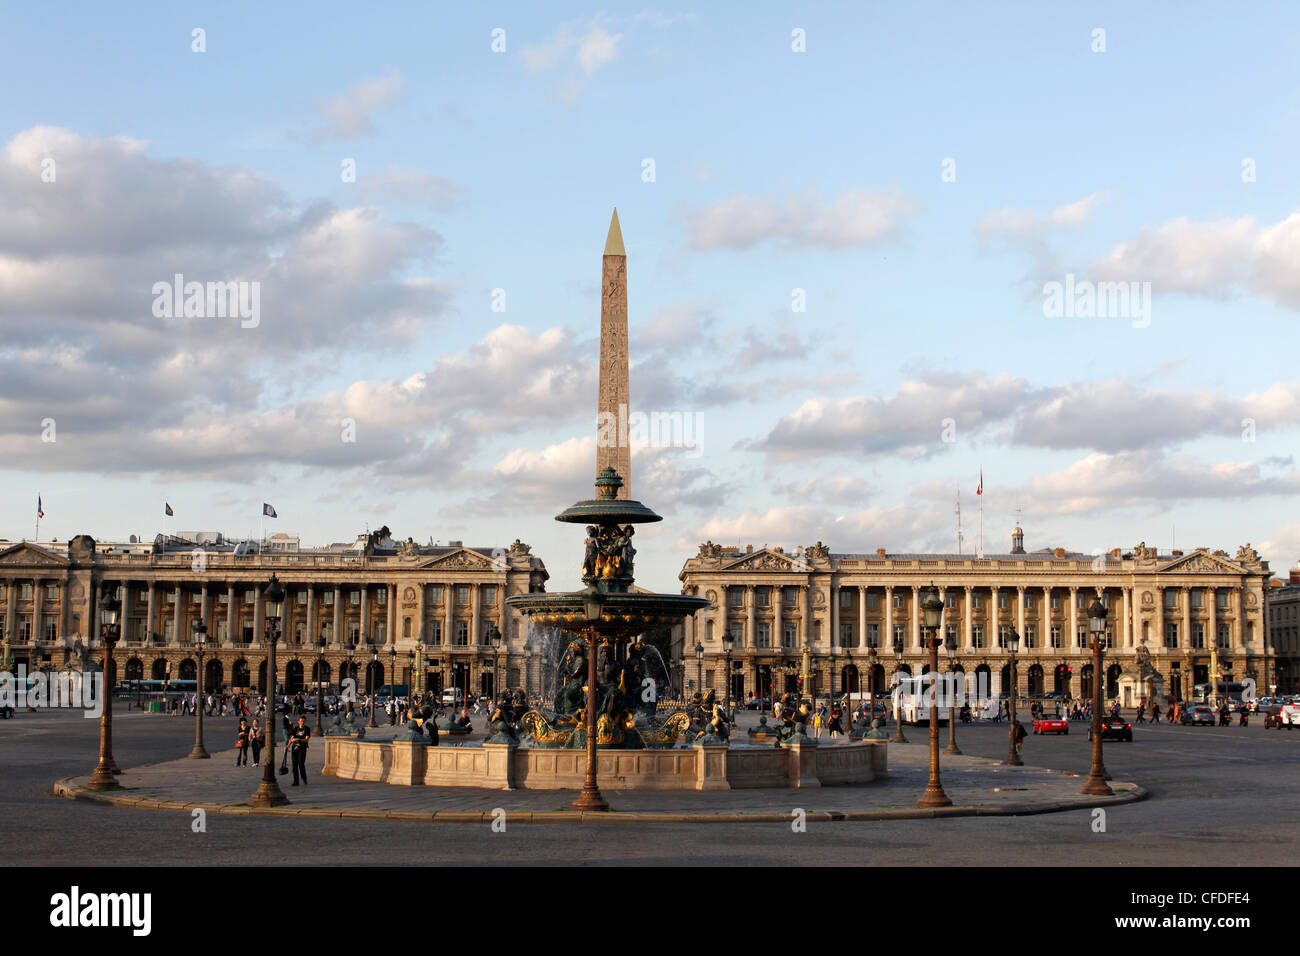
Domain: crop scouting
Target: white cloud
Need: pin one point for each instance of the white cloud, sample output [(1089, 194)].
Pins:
[(414, 186), (348, 115), (1013, 225), (857, 217), (587, 43)]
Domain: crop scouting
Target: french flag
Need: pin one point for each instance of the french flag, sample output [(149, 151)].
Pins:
[(980, 489), (268, 510)]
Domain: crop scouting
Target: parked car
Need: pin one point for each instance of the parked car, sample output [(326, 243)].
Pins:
[(759, 703), (1199, 714), (1114, 728), (882, 712), (1288, 716), (1052, 725)]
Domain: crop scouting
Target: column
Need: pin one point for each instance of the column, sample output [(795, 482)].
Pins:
[(778, 616), (37, 634), (204, 608), (11, 599), (64, 587), (177, 635), (1020, 610), (805, 612), (340, 636), (751, 639), (392, 615), (1128, 615), (231, 621), (1047, 617), (449, 616), (1074, 619), (1212, 627), (365, 616), (862, 618), (889, 617), (719, 620), (259, 622), (966, 613), (476, 625), (313, 627), (995, 617), (420, 612), (92, 615), (916, 617), (1185, 596), (835, 619), (149, 618), (1160, 615)]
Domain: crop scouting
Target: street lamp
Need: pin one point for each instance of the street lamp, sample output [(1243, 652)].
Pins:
[(320, 681), (950, 648), (412, 692), (352, 673), (494, 638), (898, 737), (370, 683), (1013, 758), (934, 796), (392, 681), (268, 793), (102, 778), (871, 686), (1097, 775), (699, 668), (200, 641), (726, 646), (417, 666)]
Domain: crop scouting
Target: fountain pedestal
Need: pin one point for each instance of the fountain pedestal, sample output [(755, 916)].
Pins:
[(711, 767), (803, 762)]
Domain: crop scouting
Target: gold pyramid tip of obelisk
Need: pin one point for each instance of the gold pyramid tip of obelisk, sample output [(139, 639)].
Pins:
[(614, 241)]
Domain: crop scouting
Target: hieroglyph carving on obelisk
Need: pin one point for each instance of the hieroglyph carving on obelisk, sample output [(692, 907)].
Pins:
[(612, 448)]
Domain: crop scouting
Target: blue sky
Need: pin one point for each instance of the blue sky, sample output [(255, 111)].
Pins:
[(775, 170)]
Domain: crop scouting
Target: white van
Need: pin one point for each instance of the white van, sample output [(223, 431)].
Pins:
[(451, 696)]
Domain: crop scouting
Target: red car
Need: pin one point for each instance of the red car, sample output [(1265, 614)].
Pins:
[(1051, 725)]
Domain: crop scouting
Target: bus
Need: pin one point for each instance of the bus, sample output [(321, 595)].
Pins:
[(150, 690), (1235, 692)]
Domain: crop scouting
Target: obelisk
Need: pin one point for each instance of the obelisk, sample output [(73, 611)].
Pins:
[(612, 449)]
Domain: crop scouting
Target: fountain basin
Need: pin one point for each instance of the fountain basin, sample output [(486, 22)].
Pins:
[(506, 766)]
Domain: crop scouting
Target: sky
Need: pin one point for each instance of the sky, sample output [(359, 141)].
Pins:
[(852, 230)]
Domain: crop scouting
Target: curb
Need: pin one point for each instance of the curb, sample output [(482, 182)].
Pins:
[(67, 790)]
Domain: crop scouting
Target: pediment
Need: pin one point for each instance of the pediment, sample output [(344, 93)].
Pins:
[(1200, 562), (25, 555), (765, 560), (462, 560)]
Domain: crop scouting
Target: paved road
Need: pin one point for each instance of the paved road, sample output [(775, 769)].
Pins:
[(1219, 797)]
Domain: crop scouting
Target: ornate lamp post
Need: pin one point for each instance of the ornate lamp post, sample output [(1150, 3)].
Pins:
[(950, 648), (417, 667), (392, 681), (871, 684), (102, 778), (590, 798), (200, 642), (1097, 775), (412, 692), (352, 673), (898, 737), (699, 668), (494, 638), (370, 683), (726, 645), (934, 796), (1013, 758), (268, 793), (320, 682)]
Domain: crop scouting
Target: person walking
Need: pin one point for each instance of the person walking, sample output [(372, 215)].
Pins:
[(257, 737), (286, 727), (1155, 712), (299, 737), (836, 719), (1141, 713), (1020, 736), (241, 744)]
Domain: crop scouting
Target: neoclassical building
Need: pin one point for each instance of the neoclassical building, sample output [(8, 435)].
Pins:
[(1166, 612), (1284, 630), (436, 607)]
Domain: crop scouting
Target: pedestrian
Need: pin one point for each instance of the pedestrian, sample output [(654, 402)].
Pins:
[(257, 736), (241, 744), (1155, 712), (299, 738), (835, 725), (1020, 735), (1141, 713)]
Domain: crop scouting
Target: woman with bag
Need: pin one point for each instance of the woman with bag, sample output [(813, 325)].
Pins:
[(258, 738), (241, 744)]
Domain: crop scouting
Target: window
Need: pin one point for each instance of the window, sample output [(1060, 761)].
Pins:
[(381, 596), (298, 628), (873, 635), (354, 633), (462, 634), (1171, 634), (846, 598), (1221, 600), (25, 592), (950, 600), (168, 629), (462, 594), (1198, 597), (223, 631), (52, 592), (976, 601), (737, 632), (328, 598), (977, 635), (302, 596), (764, 634), (433, 632), (490, 595), (899, 640), (1056, 602), (1081, 638), (789, 596), (1110, 639), (846, 635), (223, 598), (171, 597), (952, 637), (788, 635), (434, 592), (24, 631), (898, 602), (1198, 635), (1056, 637), (1171, 599), (1004, 634), (1029, 637), (1029, 602), (378, 634), (873, 600), (1003, 600), (51, 631), (250, 596), (763, 596), (354, 598), (735, 597), (1225, 636)]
